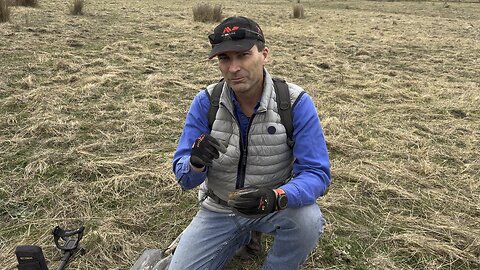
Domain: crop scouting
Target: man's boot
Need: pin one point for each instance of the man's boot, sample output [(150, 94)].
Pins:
[(253, 248)]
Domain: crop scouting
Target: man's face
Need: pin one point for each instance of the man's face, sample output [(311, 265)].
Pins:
[(243, 71)]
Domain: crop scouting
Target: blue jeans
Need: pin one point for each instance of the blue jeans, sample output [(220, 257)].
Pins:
[(212, 238)]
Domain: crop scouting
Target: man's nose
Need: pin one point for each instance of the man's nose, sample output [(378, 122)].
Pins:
[(234, 66)]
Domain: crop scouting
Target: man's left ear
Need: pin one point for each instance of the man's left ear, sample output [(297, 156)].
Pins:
[(265, 55)]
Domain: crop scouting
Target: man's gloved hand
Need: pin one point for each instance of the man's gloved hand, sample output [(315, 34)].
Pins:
[(253, 201), (204, 150)]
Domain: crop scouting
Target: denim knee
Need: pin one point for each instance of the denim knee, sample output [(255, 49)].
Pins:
[(296, 231), (309, 223)]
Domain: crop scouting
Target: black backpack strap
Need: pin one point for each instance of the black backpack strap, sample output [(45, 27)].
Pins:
[(284, 107), (214, 102)]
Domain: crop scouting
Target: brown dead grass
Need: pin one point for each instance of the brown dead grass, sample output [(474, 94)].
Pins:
[(91, 108)]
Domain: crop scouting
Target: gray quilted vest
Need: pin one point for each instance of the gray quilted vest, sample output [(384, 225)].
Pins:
[(266, 158)]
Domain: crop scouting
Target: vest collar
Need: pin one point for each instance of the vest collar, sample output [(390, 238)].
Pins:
[(267, 92)]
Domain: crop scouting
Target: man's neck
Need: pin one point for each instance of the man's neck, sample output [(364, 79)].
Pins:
[(249, 100)]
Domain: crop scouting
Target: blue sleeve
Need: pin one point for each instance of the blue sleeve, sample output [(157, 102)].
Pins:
[(312, 166), (196, 124)]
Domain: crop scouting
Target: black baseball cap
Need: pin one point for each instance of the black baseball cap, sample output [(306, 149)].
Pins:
[(235, 34)]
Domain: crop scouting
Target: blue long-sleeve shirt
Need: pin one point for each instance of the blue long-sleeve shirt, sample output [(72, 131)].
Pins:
[(311, 167)]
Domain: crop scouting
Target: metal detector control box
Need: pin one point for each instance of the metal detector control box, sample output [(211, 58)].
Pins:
[(30, 258), (67, 241)]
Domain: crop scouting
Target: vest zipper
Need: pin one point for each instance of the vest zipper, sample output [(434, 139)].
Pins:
[(242, 164), (243, 157)]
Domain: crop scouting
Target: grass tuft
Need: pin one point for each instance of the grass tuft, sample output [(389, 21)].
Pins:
[(24, 3), (77, 7), (207, 13), (4, 11), (298, 11)]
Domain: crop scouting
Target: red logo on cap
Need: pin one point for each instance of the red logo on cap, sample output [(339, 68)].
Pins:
[(228, 29)]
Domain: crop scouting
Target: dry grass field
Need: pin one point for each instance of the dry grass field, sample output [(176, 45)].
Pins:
[(91, 108)]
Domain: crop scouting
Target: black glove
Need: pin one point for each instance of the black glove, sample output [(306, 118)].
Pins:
[(204, 150), (253, 201)]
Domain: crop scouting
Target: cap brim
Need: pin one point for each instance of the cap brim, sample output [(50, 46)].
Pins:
[(232, 46)]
